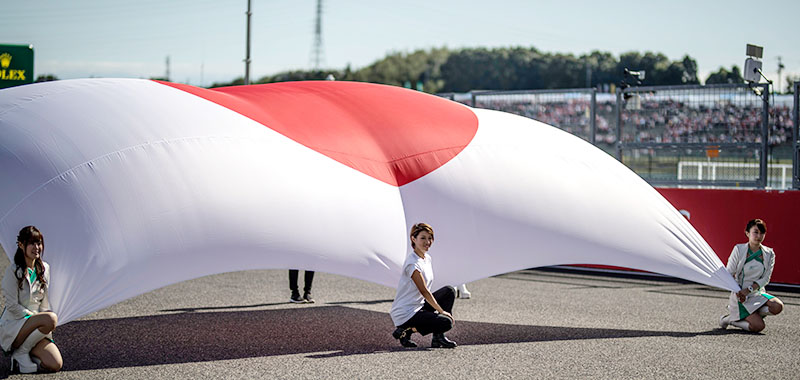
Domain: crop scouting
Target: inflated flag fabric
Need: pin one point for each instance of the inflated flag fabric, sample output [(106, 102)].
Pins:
[(138, 184)]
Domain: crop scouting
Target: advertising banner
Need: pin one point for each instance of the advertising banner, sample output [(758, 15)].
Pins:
[(16, 65)]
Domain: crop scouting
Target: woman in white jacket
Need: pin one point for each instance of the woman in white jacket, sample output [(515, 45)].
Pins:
[(751, 265), (27, 323)]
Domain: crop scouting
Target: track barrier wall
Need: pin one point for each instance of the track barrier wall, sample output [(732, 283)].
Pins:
[(720, 216)]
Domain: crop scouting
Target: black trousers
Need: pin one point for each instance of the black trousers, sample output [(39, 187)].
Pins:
[(427, 321), (309, 278)]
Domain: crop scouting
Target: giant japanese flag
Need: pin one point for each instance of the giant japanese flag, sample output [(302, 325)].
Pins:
[(138, 184)]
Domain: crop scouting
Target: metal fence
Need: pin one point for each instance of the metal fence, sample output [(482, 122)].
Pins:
[(796, 137), (662, 129), (461, 98), (572, 110), (716, 135)]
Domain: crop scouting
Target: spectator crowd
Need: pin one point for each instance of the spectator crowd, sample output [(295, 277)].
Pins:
[(664, 120)]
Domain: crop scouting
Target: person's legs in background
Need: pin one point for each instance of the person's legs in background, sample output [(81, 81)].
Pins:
[(295, 297), (309, 278), (462, 292)]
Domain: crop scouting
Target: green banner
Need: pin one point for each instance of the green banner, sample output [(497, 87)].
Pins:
[(16, 65)]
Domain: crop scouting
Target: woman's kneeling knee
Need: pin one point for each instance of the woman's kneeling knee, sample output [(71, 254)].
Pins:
[(52, 367), (52, 320), (444, 324)]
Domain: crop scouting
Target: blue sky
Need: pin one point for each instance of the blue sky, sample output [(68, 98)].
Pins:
[(205, 39)]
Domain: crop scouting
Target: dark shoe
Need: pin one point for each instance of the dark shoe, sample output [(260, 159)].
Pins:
[(439, 340), (296, 297), (307, 297), (404, 335)]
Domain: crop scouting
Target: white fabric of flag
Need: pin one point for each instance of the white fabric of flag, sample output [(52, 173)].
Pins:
[(138, 184)]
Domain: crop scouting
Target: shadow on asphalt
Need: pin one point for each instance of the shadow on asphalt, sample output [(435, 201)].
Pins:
[(210, 308), (321, 331)]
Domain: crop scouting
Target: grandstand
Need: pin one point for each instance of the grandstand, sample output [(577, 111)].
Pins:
[(720, 135)]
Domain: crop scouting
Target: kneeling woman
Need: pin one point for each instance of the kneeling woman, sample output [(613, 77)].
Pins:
[(751, 265), (27, 322), (415, 308)]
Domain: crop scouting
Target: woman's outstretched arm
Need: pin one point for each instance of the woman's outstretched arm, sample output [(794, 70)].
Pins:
[(420, 283)]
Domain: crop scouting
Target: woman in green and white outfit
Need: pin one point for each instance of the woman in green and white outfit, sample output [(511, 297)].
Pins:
[(27, 323), (751, 265)]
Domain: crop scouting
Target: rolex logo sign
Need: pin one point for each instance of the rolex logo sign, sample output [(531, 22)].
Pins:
[(16, 65), (5, 60)]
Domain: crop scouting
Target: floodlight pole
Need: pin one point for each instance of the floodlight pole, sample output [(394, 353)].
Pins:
[(247, 57)]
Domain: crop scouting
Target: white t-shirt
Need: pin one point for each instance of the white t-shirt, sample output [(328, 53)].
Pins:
[(408, 299)]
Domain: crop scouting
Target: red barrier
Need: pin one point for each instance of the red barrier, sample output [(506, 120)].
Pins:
[(720, 216)]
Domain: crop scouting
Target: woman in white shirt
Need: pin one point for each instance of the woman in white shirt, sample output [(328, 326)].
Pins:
[(751, 265), (27, 323), (415, 308)]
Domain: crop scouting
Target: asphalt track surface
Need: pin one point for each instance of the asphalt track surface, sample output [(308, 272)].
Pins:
[(527, 324)]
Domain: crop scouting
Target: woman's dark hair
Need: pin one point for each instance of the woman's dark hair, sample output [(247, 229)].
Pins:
[(419, 227), (29, 235), (758, 223)]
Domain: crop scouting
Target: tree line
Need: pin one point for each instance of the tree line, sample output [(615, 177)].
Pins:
[(511, 68)]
